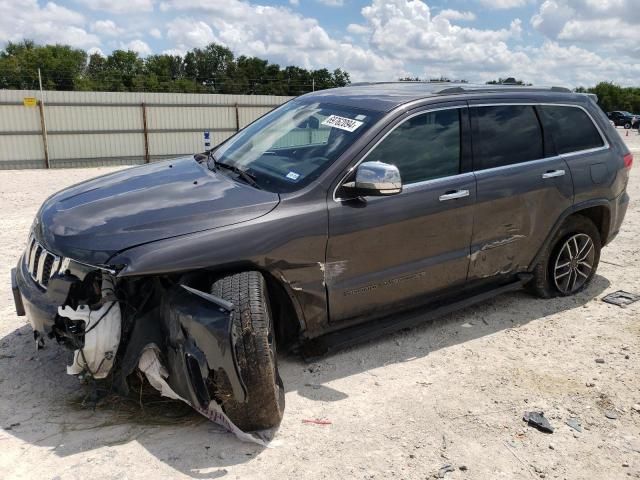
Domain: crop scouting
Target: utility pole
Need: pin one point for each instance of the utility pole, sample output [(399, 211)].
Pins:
[(43, 123)]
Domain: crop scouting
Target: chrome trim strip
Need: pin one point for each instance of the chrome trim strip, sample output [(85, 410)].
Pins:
[(32, 257), (54, 266), (605, 142), (42, 260)]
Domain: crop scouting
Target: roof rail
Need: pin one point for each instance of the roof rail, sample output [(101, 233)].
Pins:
[(502, 86)]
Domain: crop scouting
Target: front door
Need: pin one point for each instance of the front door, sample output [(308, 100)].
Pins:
[(392, 252)]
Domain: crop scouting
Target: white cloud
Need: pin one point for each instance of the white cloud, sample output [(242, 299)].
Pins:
[(51, 23), (295, 3), (503, 4), (155, 33), (450, 14), (358, 29), (583, 22), (188, 33), (332, 3), (138, 46), (119, 6), (276, 33), (106, 27), (94, 50)]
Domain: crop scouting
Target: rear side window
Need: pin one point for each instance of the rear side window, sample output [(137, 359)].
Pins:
[(506, 134), (571, 128), (424, 147)]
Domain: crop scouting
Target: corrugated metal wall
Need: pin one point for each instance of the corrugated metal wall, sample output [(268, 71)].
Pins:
[(108, 128)]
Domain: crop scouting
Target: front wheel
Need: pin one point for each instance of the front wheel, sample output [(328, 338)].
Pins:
[(627, 126), (570, 261), (255, 353)]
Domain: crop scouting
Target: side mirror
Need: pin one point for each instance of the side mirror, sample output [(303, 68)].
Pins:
[(374, 179)]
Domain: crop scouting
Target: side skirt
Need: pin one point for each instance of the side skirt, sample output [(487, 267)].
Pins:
[(364, 332)]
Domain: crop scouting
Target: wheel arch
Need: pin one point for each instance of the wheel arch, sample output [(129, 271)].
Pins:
[(288, 316), (598, 211)]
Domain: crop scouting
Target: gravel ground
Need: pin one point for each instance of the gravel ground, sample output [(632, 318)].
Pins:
[(450, 392)]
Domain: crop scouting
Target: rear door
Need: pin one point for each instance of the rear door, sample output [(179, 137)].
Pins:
[(523, 187), (391, 252)]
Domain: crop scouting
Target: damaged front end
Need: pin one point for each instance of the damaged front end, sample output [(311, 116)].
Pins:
[(115, 325)]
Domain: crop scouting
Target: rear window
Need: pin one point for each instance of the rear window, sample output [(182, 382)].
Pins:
[(505, 135), (571, 128)]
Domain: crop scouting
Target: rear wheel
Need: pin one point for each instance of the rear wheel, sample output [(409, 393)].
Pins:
[(627, 126), (255, 352), (569, 263)]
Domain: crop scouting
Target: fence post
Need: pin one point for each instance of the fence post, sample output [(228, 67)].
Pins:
[(43, 128), (146, 132), (237, 118)]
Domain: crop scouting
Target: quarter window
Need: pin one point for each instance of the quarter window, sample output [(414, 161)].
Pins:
[(504, 135), (571, 128), (424, 147)]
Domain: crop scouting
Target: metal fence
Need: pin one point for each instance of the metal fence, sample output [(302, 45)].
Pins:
[(83, 129)]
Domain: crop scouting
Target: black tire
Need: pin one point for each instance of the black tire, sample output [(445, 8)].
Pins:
[(545, 282), (627, 126), (255, 352)]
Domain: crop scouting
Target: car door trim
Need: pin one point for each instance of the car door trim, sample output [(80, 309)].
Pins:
[(469, 106)]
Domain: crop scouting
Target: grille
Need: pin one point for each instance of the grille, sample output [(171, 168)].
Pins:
[(41, 264)]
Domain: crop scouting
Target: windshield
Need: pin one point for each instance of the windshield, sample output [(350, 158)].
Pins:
[(292, 145)]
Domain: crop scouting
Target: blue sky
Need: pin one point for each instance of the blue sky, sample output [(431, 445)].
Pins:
[(552, 42)]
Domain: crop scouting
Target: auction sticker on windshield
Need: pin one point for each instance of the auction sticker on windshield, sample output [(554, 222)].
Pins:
[(342, 123)]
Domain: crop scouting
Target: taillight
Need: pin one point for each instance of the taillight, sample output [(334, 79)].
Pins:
[(628, 160)]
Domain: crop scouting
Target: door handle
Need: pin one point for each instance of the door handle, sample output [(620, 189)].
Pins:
[(454, 194), (553, 173)]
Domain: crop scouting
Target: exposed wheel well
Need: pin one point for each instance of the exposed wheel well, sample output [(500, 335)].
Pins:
[(285, 316), (601, 217)]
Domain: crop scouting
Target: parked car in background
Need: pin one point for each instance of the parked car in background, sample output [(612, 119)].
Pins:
[(624, 119), (341, 215)]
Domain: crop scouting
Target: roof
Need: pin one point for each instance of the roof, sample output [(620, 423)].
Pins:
[(385, 96)]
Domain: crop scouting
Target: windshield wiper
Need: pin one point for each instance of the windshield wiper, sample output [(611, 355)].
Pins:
[(248, 177)]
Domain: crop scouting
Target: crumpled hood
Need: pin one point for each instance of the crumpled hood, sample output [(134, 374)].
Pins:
[(91, 221)]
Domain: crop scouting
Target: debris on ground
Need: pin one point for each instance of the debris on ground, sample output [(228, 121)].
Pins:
[(538, 420), (445, 469), (316, 421), (621, 298), (611, 415), (599, 360), (574, 423), (10, 427), (636, 407)]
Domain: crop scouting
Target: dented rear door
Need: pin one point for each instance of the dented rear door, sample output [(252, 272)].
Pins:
[(523, 188)]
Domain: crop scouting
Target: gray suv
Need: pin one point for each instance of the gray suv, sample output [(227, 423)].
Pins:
[(341, 215)]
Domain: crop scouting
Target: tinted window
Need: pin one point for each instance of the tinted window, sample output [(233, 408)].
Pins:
[(571, 127), (424, 147), (504, 135)]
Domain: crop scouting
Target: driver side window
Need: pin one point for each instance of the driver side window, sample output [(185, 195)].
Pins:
[(424, 147)]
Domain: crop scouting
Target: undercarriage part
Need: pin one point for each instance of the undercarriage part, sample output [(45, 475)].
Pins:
[(95, 334)]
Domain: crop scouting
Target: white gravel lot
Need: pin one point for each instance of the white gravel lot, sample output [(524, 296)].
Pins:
[(449, 392)]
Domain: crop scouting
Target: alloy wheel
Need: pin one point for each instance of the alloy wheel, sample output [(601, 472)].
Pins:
[(574, 263)]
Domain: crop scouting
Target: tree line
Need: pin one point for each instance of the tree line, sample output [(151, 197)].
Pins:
[(212, 69), (614, 97)]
